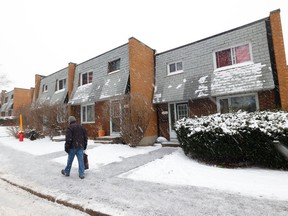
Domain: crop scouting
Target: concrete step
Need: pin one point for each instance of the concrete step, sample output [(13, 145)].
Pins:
[(103, 141), (170, 144)]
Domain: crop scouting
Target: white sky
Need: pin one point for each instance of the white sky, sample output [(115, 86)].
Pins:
[(42, 37)]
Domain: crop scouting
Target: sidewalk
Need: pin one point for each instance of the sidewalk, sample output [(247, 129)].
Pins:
[(104, 192)]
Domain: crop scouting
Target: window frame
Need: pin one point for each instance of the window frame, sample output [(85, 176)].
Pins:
[(89, 78), (176, 70), (58, 84), (233, 56), (85, 121), (110, 66), (235, 96), (44, 88)]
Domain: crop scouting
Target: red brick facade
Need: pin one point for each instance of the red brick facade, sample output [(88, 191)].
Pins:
[(280, 57)]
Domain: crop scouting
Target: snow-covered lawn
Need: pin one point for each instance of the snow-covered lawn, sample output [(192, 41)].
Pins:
[(171, 169)]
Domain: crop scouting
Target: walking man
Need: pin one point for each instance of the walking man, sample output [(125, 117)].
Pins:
[(75, 143)]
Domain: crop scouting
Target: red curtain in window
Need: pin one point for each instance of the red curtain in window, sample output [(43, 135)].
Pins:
[(242, 53), (223, 58)]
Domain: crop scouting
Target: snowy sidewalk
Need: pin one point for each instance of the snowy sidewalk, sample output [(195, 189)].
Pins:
[(108, 189)]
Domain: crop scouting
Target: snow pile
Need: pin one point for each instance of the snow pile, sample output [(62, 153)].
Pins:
[(231, 123)]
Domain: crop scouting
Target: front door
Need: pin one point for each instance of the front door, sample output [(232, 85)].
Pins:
[(176, 111), (115, 117)]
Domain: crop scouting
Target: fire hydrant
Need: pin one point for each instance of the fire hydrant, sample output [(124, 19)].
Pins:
[(21, 136)]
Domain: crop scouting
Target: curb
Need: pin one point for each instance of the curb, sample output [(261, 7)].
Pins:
[(59, 201)]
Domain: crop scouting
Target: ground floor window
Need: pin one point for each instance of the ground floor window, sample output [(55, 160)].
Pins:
[(248, 102), (88, 113)]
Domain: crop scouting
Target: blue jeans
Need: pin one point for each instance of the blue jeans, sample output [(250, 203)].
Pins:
[(79, 154)]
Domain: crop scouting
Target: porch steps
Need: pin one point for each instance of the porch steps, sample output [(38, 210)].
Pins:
[(114, 139), (98, 141)]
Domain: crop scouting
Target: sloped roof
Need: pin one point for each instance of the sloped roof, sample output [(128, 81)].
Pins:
[(7, 106), (52, 96), (200, 79), (104, 85)]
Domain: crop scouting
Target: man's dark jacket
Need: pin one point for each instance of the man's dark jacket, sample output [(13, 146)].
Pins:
[(76, 136)]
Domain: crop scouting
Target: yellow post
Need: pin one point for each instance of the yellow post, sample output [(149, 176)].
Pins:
[(21, 123)]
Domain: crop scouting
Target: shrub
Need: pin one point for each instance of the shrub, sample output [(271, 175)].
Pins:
[(236, 138)]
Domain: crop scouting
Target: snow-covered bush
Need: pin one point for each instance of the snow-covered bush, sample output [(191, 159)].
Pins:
[(234, 138)]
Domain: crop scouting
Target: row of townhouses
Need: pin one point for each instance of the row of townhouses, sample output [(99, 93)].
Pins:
[(243, 68)]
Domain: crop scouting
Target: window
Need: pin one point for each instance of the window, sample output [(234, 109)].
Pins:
[(44, 88), (86, 78), (247, 103), (88, 113), (182, 110), (234, 55), (6, 100), (177, 111), (175, 67), (113, 66), (12, 96), (60, 84)]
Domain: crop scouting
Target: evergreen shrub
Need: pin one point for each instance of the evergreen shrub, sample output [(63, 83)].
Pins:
[(235, 139)]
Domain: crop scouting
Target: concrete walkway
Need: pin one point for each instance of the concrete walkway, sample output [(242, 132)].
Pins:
[(103, 192)]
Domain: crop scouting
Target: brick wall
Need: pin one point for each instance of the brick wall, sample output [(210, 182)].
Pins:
[(90, 128), (22, 98), (163, 120), (141, 61), (280, 57), (101, 117), (267, 100), (202, 107), (37, 86)]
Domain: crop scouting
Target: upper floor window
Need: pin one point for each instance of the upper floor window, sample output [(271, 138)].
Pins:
[(175, 67), (6, 100), (247, 103), (86, 78), (234, 55), (60, 84), (113, 66), (12, 96), (44, 88)]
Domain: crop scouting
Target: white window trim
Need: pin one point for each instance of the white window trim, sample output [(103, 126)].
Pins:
[(169, 111), (81, 79), (233, 65), (58, 84), (85, 105), (238, 95), (177, 71), (115, 71), (45, 88)]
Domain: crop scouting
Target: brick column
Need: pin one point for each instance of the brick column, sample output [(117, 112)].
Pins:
[(280, 57)]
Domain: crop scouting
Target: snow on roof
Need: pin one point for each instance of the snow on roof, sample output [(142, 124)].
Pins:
[(82, 94), (249, 77)]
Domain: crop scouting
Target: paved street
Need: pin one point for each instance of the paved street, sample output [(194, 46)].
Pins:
[(103, 191), (18, 202)]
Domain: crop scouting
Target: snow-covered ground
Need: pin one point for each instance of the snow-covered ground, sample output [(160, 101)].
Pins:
[(174, 169)]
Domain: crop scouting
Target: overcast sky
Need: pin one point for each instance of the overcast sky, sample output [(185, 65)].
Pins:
[(43, 36)]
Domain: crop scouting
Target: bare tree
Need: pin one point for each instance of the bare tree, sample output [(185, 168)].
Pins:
[(49, 119), (134, 119)]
